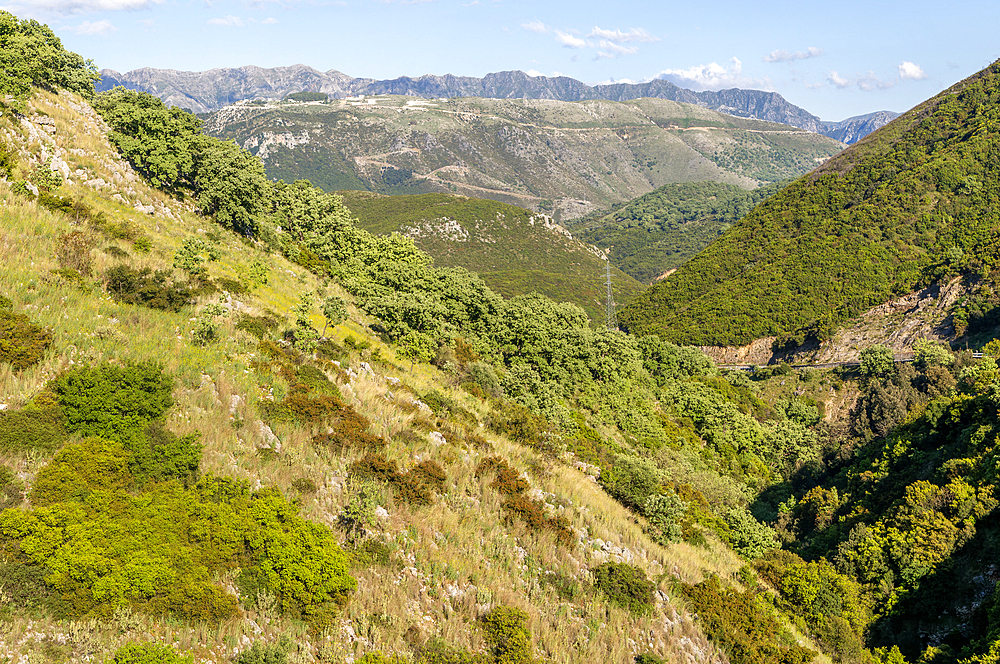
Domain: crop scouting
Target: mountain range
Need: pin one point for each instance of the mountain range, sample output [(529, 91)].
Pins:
[(203, 92), (561, 158)]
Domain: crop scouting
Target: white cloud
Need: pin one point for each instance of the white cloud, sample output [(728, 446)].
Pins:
[(867, 82), (619, 37), (534, 73), (102, 28), (714, 76), (570, 41), (838, 80), (269, 20), (535, 26), (67, 7), (911, 71), (613, 50), (785, 56), (229, 21)]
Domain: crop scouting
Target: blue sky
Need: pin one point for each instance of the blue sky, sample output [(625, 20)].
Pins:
[(833, 59)]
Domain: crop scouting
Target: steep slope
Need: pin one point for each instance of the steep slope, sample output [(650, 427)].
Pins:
[(512, 249), (907, 205), (561, 158), (427, 564)]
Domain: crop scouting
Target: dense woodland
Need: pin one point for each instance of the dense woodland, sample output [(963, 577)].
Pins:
[(908, 205), (666, 227), (868, 538)]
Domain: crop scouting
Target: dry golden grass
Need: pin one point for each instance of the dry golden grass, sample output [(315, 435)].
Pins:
[(452, 560)]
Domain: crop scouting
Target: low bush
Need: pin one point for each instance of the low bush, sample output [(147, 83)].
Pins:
[(264, 653), (347, 429), (149, 653), (742, 625), (73, 252), (22, 343), (257, 326), (507, 637), (37, 426), (431, 474), (625, 586), (146, 288), (300, 405), (410, 487)]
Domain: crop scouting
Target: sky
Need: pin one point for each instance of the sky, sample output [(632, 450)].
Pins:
[(835, 60)]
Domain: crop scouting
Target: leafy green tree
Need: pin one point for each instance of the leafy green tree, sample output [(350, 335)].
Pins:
[(31, 55), (749, 538), (875, 361), (231, 184), (160, 143), (507, 635), (193, 255), (664, 512)]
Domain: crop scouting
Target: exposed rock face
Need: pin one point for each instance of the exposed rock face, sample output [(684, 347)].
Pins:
[(854, 129), (203, 92)]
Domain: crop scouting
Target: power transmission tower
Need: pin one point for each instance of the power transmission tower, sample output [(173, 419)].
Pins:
[(610, 317)]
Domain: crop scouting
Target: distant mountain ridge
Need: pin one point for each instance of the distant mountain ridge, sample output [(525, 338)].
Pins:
[(203, 92)]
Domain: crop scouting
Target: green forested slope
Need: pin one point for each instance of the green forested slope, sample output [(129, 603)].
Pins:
[(664, 228), (908, 204), (514, 250)]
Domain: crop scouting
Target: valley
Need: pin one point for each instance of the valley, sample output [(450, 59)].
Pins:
[(245, 419)]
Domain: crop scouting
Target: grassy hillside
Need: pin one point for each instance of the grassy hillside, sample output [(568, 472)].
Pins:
[(663, 229), (909, 204), (515, 251), (561, 158)]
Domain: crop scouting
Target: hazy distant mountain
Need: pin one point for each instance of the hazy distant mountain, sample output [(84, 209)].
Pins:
[(210, 90), (854, 129)]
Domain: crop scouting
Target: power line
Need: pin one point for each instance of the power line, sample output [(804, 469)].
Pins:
[(610, 317)]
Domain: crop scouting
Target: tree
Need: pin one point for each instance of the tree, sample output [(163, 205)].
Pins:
[(335, 312), (875, 361), (230, 183), (32, 56)]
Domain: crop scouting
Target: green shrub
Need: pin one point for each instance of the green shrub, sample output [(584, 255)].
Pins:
[(648, 658), (150, 653), (257, 326), (436, 651), (264, 653), (304, 485), (664, 513), (742, 625), (749, 538), (347, 429), (146, 288), (632, 480), (625, 586), (507, 635), (22, 343), (299, 405), (80, 469), (36, 426), (114, 402)]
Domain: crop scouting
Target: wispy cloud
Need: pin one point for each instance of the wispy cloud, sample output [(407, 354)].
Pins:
[(228, 21), (714, 76), (70, 7), (536, 26), (619, 37), (906, 71), (911, 71), (270, 20), (785, 56), (607, 44), (102, 28), (570, 41)]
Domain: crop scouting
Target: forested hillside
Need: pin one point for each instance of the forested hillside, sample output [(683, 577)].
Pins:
[(908, 205), (514, 251), (237, 427), (663, 229)]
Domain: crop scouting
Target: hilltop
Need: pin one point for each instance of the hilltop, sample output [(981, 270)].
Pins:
[(560, 158), (204, 92), (514, 251), (907, 206)]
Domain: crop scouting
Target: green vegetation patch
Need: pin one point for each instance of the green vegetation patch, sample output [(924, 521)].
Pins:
[(909, 206)]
